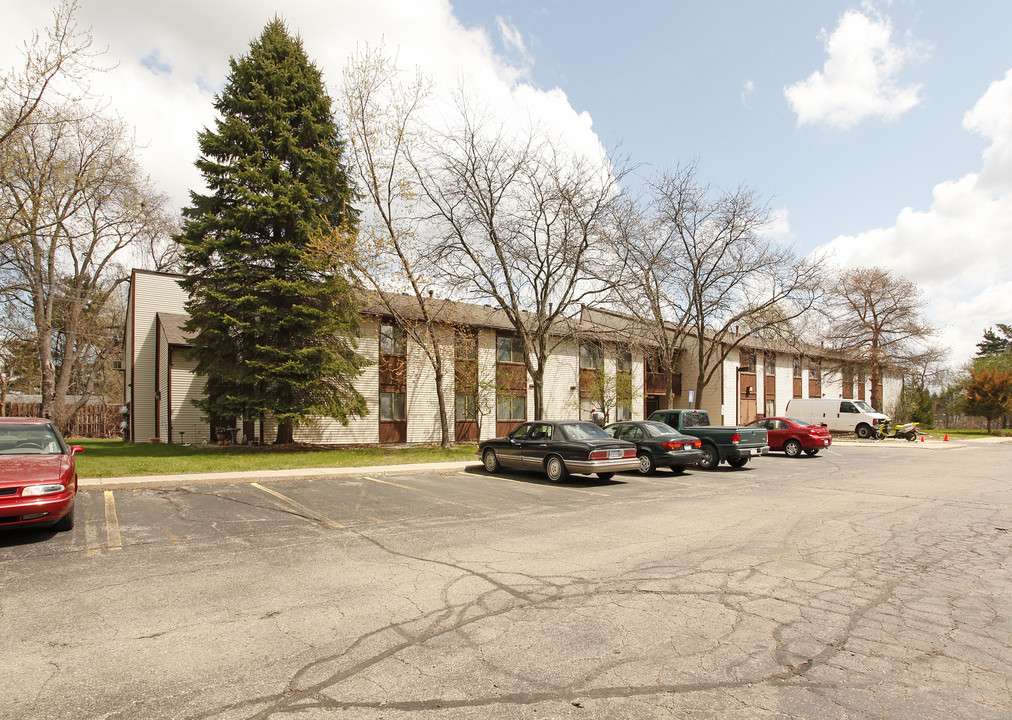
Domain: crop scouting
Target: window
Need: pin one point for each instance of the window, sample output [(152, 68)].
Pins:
[(391, 406), (771, 406), (815, 370), (623, 412), (509, 349), (797, 367), (848, 407), (623, 363), (466, 346), (746, 360), (653, 362), (466, 407), (591, 357), (511, 407), (392, 340), (770, 362)]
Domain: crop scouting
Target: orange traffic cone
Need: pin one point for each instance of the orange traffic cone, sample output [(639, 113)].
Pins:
[(922, 438), (946, 438)]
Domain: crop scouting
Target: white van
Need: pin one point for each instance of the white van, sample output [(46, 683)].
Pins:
[(854, 416)]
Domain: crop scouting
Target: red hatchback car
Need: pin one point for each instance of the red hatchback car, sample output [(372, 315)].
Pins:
[(38, 478), (794, 436)]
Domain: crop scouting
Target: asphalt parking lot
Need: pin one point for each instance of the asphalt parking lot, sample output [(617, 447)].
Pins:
[(872, 581)]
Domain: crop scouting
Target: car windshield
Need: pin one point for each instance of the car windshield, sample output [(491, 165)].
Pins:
[(863, 406), (656, 429), (583, 431), (29, 439), (799, 423)]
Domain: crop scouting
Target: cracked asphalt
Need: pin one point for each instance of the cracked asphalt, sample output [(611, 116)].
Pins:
[(872, 581)]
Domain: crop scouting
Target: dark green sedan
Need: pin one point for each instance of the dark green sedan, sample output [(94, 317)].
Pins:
[(658, 445)]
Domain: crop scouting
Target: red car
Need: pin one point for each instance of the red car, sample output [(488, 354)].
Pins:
[(38, 478), (794, 436)]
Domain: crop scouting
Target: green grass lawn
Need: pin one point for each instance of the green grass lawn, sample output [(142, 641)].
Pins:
[(966, 433), (115, 458)]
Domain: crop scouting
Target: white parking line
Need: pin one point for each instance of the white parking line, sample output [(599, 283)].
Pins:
[(312, 514)]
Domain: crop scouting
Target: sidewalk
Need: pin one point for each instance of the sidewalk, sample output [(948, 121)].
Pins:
[(230, 478)]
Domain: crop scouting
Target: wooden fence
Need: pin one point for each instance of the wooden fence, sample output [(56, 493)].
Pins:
[(92, 421)]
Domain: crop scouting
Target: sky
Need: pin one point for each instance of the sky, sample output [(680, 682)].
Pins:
[(880, 132)]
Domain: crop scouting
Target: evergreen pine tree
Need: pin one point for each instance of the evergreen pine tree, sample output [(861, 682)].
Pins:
[(274, 325)]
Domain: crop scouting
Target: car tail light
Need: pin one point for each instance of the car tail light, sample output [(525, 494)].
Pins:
[(671, 445), (598, 454), (697, 444), (629, 453), (736, 438)]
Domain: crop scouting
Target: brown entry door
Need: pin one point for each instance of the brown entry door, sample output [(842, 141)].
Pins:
[(747, 410)]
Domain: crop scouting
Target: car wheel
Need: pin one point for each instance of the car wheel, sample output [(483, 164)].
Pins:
[(863, 431), (490, 461), (606, 476), (738, 462), (812, 453), (792, 448), (556, 469), (647, 465), (677, 469), (66, 522), (710, 459)]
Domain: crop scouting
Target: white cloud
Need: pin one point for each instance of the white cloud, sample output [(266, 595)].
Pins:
[(746, 92), (779, 224), (957, 251), (859, 78), (171, 57), (512, 38)]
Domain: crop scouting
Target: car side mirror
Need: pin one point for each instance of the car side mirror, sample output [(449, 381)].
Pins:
[(74, 449)]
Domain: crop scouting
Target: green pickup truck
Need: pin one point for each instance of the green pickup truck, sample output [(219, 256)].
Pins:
[(736, 445)]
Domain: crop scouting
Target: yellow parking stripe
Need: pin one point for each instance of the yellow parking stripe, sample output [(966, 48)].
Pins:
[(553, 485), (300, 507), (430, 494), (113, 541)]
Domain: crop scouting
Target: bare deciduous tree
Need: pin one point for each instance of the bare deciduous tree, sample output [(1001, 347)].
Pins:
[(73, 199), (382, 128), (698, 267), (877, 321), (63, 54), (518, 222)]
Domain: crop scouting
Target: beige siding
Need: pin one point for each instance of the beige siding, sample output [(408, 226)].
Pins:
[(359, 430), (486, 384), (562, 373), (184, 389), (152, 293), (422, 404)]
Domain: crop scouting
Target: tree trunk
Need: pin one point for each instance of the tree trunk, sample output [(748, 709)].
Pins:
[(286, 433), (444, 422)]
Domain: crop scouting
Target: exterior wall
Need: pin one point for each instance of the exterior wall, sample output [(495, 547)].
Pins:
[(562, 382), (486, 384), (363, 430), (162, 386), (422, 404), (637, 383), (150, 293), (188, 425)]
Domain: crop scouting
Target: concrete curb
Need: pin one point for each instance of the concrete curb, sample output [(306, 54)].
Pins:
[(262, 476)]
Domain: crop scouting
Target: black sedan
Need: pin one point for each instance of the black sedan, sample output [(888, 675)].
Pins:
[(658, 445), (559, 448)]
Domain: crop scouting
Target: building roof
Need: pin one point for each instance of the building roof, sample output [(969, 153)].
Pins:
[(172, 326)]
